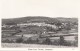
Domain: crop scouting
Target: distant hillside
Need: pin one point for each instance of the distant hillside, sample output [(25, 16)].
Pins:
[(38, 19), (72, 20)]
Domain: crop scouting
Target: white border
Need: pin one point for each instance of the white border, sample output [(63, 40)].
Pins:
[(53, 49)]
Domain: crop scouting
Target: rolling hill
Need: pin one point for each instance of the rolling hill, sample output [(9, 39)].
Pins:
[(38, 19)]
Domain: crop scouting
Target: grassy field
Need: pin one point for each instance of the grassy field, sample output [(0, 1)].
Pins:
[(21, 45), (10, 40)]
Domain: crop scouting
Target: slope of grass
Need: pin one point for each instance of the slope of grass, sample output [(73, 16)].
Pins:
[(18, 45)]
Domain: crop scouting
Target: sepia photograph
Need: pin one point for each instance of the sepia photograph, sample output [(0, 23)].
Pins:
[(39, 25), (39, 31)]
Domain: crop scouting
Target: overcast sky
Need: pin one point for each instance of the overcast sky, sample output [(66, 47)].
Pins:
[(51, 8)]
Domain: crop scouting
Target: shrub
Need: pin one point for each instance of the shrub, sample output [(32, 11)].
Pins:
[(67, 43), (62, 41), (56, 42), (19, 40), (75, 43), (7, 41), (29, 40), (47, 41), (24, 41)]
